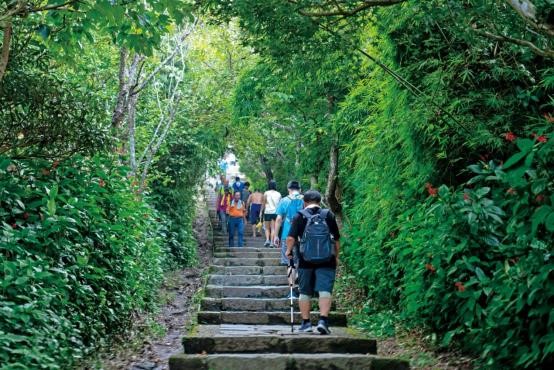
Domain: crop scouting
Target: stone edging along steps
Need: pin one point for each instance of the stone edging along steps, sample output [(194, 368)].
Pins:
[(244, 321)]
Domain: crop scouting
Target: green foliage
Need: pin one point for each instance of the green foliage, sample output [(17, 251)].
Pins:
[(47, 112), (80, 252), (475, 263)]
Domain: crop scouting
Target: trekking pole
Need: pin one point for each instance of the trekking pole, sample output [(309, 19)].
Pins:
[(291, 283)]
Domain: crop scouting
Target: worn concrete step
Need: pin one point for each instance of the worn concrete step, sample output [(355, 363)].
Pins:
[(245, 280), (304, 343), (253, 243), (276, 361), (248, 270), (247, 254), (254, 291), (249, 304), (263, 318), (260, 249), (246, 261)]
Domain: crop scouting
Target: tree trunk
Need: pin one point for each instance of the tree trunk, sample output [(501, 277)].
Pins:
[(314, 182), (128, 79), (266, 167), (5, 49), (132, 125), (332, 191), (119, 110)]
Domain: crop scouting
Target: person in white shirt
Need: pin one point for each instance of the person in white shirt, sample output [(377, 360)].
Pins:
[(270, 201)]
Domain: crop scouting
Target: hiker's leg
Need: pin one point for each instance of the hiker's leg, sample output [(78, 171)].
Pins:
[(304, 302), (324, 281), (240, 225), (253, 231), (231, 232), (272, 235), (324, 303), (223, 217), (284, 258), (267, 230), (306, 286)]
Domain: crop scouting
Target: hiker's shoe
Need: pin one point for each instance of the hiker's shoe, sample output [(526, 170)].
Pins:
[(305, 327), (267, 244), (323, 327)]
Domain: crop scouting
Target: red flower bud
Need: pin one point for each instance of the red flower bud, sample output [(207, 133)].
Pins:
[(510, 136), (542, 139), (539, 198), (102, 183), (511, 191), (430, 267), (14, 225), (460, 286), (45, 171), (466, 197), (55, 164), (433, 191), (25, 216)]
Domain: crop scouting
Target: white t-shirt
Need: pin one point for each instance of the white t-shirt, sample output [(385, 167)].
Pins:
[(272, 198)]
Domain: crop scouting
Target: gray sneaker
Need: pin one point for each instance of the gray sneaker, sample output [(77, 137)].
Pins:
[(323, 328), (305, 328)]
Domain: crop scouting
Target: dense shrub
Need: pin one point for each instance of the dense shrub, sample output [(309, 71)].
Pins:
[(475, 262), (80, 253)]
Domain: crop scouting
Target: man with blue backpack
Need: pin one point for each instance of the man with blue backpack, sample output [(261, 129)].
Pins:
[(315, 233), (287, 208)]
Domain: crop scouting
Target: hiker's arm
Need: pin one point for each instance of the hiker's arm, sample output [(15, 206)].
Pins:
[(278, 223), (334, 229), (290, 245), (263, 206)]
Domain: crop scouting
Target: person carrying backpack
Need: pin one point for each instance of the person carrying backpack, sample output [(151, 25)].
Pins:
[(286, 210), (315, 233)]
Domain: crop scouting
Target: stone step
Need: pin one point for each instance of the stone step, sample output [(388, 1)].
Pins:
[(248, 304), (260, 249), (245, 280), (302, 343), (264, 318), (277, 361), (219, 253), (246, 261), (254, 291), (248, 270), (220, 244)]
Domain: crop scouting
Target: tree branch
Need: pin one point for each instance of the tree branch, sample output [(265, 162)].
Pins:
[(349, 12), (167, 60), (547, 53), (526, 10)]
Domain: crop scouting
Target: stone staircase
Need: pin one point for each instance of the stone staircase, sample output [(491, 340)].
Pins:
[(244, 320)]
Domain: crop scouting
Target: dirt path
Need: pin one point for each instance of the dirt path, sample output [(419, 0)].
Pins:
[(178, 290)]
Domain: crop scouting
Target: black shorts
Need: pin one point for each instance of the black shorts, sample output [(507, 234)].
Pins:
[(270, 217)]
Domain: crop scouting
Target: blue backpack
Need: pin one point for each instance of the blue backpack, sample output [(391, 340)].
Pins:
[(316, 244)]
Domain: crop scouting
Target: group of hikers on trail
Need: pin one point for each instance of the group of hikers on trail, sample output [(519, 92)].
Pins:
[(307, 234)]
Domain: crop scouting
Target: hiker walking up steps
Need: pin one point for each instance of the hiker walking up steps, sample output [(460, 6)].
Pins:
[(286, 210), (269, 208), (315, 233), (237, 219), (223, 201), (254, 206)]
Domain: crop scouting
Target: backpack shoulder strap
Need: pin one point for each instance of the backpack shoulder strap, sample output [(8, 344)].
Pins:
[(324, 213), (305, 213)]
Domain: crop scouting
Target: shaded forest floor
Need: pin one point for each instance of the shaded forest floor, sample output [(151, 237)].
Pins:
[(155, 337)]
